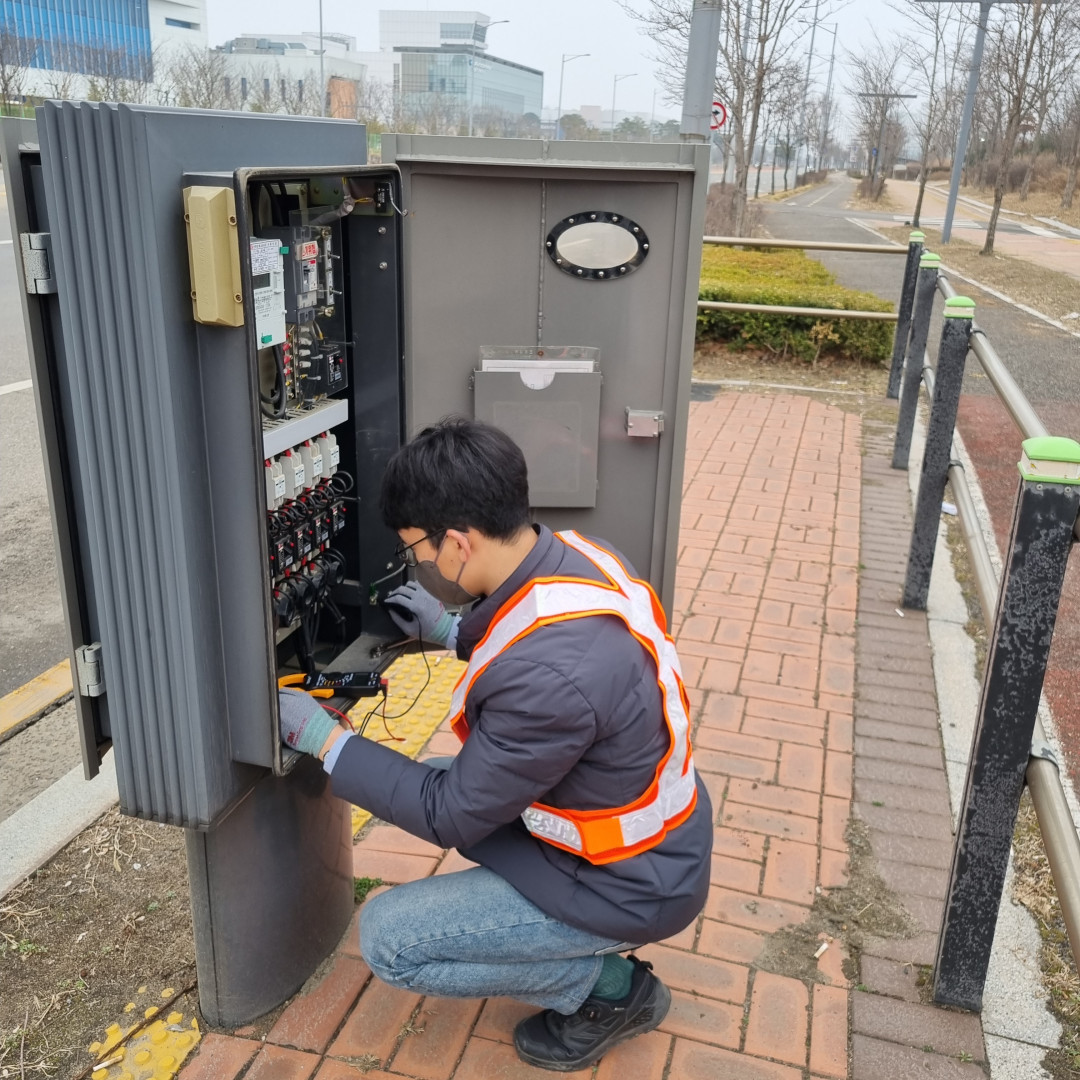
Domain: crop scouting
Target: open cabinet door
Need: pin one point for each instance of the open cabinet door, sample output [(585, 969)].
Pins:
[(146, 480), (31, 235), (551, 289)]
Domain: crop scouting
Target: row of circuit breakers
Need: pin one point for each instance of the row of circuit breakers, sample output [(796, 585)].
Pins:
[(300, 367)]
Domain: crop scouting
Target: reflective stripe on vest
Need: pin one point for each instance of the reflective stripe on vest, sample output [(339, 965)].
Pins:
[(601, 836)]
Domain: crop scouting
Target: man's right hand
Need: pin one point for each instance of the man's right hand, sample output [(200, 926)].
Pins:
[(418, 614)]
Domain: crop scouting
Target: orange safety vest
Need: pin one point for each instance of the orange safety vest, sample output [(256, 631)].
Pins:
[(601, 836)]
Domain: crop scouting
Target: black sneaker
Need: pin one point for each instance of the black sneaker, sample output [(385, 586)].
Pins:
[(551, 1040)]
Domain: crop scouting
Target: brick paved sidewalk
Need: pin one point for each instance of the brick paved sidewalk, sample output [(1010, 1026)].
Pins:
[(765, 616)]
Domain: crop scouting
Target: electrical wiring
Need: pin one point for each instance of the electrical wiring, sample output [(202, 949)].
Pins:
[(277, 399), (407, 709)]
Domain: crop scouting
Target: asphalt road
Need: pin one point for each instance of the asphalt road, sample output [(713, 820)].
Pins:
[(31, 619), (1044, 361)]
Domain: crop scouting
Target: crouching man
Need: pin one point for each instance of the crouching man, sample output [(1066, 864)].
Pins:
[(574, 789)]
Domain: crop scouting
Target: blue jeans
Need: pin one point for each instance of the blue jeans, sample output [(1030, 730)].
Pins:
[(473, 935)]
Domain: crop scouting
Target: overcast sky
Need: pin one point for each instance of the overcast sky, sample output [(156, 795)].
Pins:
[(537, 34)]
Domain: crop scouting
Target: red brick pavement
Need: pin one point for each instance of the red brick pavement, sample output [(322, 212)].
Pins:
[(765, 618)]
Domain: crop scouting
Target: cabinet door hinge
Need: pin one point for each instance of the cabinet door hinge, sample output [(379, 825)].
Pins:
[(37, 262), (88, 668)]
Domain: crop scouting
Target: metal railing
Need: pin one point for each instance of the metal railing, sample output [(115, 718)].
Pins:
[(807, 245), (1019, 609)]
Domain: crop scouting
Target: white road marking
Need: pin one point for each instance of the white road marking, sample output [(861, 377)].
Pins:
[(820, 197), (7, 241), (14, 387)]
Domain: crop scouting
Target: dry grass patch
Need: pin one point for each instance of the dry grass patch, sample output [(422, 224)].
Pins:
[(1048, 291), (1038, 203), (1033, 886)]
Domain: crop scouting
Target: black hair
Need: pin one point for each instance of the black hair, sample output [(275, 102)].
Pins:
[(458, 474)]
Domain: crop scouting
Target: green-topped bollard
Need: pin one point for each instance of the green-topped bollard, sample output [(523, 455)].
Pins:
[(1042, 531), (937, 456), (903, 315), (925, 290)]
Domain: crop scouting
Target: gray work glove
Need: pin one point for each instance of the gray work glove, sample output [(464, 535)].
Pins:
[(418, 614), (305, 724)]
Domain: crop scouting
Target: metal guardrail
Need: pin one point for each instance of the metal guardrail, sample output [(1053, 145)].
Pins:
[(803, 245), (811, 312), (1019, 610), (779, 309)]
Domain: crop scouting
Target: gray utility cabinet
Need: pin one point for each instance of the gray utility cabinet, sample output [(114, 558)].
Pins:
[(234, 321)]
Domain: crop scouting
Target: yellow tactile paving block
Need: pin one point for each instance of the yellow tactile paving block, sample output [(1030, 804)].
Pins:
[(33, 697), (155, 1053), (410, 732)]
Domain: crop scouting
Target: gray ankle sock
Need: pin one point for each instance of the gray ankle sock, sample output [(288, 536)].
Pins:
[(615, 977)]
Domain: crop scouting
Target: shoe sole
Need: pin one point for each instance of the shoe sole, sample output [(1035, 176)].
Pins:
[(660, 1010)]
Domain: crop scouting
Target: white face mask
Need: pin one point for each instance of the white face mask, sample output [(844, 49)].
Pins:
[(432, 580)]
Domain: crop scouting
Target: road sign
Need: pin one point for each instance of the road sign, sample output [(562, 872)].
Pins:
[(719, 116)]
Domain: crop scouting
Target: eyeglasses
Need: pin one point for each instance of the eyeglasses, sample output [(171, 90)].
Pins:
[(404, 552)]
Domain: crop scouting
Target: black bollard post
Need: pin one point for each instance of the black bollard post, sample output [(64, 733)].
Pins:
[(903, 319), (937, 456), (1046, 510), (925, 290)]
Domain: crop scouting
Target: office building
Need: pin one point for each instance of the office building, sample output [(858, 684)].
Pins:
[(73, 43)]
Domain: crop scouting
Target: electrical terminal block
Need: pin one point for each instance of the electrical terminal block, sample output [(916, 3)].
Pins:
[(313, 463), (275, 483), (295, 474), (331, 452)]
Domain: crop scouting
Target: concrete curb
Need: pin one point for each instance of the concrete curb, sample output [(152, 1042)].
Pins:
[(29, 701), (38, 830)]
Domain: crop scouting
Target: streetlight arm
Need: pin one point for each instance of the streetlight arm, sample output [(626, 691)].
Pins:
[(558, 108)]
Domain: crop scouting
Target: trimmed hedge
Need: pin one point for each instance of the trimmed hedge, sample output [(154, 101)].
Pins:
[(792, 279)]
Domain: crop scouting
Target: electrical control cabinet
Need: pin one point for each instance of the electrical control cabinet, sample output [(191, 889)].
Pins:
[(246, 321), (234, 322)]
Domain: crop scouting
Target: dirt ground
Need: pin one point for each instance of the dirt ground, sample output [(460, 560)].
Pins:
[(850, 385), (1045, 290), (108, 915), (1038, 203)]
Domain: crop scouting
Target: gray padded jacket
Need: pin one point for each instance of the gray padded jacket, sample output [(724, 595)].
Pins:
[(570, 716)]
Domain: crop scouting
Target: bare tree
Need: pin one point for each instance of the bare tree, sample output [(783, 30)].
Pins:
[(934, 50), (757, 37), (1074, 157), (876, 76), (1056, 57), (15, 55), (1015, 37), (199, 78), (114, 75)]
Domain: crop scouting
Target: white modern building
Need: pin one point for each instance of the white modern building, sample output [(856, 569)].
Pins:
[(441, 58), (272, 71)]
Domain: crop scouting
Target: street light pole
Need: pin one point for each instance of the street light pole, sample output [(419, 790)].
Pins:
[(322, 67), (699, 88), (562, 71), (965, 120), (805, 94), (614, 87), (472, 67), (828, 100)]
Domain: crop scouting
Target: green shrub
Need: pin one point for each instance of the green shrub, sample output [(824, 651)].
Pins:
[(789, 278)]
